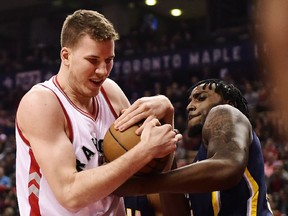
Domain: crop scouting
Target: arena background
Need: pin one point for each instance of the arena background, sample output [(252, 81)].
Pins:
[(156, 54)]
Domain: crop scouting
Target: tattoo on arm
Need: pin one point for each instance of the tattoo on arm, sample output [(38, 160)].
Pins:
[(219, 132)]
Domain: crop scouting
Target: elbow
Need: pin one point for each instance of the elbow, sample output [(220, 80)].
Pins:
[(71, 201)]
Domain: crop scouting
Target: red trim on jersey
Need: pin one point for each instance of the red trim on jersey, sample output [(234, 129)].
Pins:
[(69, 125), (95, 107), (21, 134), (109, 102), (33, 199), (92, 116), (33, 182), (34, 168)]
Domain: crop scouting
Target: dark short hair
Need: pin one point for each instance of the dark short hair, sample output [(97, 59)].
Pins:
[(227, 91)]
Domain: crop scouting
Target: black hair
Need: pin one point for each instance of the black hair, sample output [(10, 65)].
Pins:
[(227, 91)]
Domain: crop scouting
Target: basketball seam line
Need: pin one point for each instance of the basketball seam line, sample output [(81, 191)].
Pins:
[(117, 140)]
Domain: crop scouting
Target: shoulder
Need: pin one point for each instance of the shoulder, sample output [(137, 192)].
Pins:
[(38, 104), (116, 96), (228, 112), (110, 83), (226, 118), (112, 88), (38, 95)]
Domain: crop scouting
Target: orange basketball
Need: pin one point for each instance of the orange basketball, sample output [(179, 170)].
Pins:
[(117, 143)]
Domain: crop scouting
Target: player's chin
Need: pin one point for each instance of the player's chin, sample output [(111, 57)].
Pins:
[(194, 129), (92, 91)]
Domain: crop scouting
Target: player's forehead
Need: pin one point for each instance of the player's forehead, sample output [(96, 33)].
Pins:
[(204, 87)]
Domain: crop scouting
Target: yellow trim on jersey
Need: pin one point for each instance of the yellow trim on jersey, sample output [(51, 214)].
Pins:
[(129, 212), (252, 202), (215, 202), (254, 189)]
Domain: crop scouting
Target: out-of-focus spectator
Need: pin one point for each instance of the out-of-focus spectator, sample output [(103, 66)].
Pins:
[(251, 95), (269, 164), (9, 211), (3, 139), (277, 187), (270, 149), (264, 101), (5, 181)]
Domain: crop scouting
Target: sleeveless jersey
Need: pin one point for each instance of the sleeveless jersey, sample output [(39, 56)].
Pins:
[(86, 135), (138, 206), (247, 198)]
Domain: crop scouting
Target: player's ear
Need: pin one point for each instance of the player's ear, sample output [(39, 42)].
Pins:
[(230, 103), (64, 54)]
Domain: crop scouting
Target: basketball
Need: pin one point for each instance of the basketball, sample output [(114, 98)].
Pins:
[(116, 143)]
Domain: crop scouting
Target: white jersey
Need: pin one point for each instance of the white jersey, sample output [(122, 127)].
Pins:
[(86, 134)]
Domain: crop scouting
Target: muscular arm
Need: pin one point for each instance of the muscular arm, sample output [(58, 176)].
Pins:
[(41, 119), (227, 135)]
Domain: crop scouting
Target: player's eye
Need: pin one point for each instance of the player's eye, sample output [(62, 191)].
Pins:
[(93, 61), (201, 97), (108, 61)]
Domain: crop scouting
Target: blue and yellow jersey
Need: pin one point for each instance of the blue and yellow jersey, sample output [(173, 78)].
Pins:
[(247, 198), (138, 206)]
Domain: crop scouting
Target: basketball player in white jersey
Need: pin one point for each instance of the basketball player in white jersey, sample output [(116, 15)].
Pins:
[(61, 123)]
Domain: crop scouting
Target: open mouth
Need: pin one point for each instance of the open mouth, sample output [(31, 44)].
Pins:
[(96, 82)]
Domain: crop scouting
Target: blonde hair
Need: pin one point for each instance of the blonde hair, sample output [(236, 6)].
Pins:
[(86, 22)]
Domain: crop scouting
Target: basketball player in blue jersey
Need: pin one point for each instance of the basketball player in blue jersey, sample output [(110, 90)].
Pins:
[(227, 176)]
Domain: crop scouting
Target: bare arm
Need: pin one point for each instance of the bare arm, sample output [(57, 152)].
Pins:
[(227, 135), (42, 122)]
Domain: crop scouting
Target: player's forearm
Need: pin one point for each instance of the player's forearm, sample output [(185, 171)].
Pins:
[(204, 176), (95, 184)]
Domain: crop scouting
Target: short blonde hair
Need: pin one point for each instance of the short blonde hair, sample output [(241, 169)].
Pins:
[(86, 22)]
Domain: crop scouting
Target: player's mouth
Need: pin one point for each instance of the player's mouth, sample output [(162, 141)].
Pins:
[(190, 116), (97, 82)]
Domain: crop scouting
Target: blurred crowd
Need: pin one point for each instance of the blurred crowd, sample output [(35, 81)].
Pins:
[(265, 118)]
